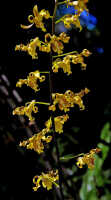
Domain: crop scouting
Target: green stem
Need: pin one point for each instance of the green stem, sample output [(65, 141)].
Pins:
[(51, 101), (59, 20), (45, 72), (43, 43), (59, 3), (53, 182), (71, 156), (43, 103), (65, 54), (38, 102)]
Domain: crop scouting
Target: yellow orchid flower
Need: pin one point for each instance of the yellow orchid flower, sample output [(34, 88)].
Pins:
[(55, 42), (31, 80), (88, 159), (47, 179), (59, 121), (68, 99), (65, 63), (26, 110), (70, 19), (37, 18), (79, 5), (30, 47), (36, 142)]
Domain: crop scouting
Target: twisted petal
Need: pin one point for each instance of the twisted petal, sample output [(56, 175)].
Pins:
[(26, 27), (35, 11)]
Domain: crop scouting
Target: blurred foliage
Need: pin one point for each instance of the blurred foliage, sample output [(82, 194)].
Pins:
[(87, 184), (96, 182)]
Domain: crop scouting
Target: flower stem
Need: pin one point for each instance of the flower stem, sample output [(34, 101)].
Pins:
[(44, 103), (53, 182), (43, 43), (59, 20), (71, 156), (45, 72), (63, 2), (65, 54), (51, 101)]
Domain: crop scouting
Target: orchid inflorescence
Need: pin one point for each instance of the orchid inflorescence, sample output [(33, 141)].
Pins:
[(53, 44)]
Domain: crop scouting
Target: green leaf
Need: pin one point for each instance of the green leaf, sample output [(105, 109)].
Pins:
[(98, 171), (88, 189), (107, 196), (100, 181), (62, 146), (98, 162), (98, 177), (76, 129), (71, 138), (107, 173), (105, 150), (106, 133)]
